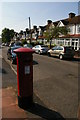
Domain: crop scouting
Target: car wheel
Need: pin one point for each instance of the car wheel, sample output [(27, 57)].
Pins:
[(71, 58), (39, 52), (60, 57), (49, 54)]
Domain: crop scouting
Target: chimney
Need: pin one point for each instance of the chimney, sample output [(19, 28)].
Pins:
[(71, 15), (34, 27), (49, 22)]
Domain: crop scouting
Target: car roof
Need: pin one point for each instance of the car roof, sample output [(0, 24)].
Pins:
[(16, 47)]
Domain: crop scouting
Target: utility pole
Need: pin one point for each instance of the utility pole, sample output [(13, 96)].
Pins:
[(29, 23), (30, 29)]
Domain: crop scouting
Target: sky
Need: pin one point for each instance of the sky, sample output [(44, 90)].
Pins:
[(15, 15)]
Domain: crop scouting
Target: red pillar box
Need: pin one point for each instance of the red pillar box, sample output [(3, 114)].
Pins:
[(25, 76)]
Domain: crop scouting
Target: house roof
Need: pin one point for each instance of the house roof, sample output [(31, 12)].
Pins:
[(68, 21), (41, 37), (43, 27), (75, 20)]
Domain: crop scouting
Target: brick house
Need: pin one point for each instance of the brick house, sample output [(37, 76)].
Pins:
[(73, 37)]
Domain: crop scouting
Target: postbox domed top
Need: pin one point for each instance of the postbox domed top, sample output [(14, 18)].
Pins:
[(24, 50)]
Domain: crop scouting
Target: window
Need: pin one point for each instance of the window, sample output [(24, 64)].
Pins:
[(71, 29), (78, 28), (37, 46), (59, 48)]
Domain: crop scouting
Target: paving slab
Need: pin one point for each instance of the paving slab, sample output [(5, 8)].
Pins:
[(10, 108)]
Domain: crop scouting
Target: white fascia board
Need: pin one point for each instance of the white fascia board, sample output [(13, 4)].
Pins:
[(60, 24)]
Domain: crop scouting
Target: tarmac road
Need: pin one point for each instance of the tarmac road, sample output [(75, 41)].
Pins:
[(56, 83)]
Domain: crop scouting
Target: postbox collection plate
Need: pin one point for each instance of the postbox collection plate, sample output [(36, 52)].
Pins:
[(27, 69)]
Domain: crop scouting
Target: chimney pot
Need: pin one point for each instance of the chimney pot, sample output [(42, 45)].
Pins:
[(71, 15), (49, 22)]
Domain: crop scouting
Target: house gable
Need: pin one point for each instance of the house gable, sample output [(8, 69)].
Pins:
[(60, 24)]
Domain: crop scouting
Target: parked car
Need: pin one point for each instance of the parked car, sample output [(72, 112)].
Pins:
[(62, 52), (11, 44), (17, 43), (27, 46), (6, 44), (11, 55), (3, 44), (40, 49)]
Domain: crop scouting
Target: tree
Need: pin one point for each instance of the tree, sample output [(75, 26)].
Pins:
[(21, 32), (24, 42), (55, 32), (7, 35)]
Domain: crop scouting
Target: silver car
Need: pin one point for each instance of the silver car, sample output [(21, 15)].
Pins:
[(62, 52), (41, 49), (28, 46)]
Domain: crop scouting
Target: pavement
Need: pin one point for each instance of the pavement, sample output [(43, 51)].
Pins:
[(39, 111), (11, 110)]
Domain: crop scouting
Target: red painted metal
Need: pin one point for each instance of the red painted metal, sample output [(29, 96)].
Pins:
[(24, 79), (24, 50), (18, 77)]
